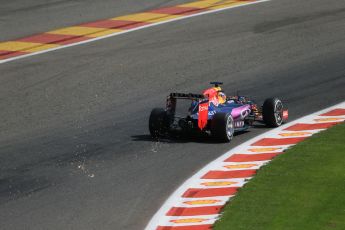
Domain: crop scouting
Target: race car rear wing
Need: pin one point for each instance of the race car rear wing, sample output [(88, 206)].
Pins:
[(171, 104), (186, 96)]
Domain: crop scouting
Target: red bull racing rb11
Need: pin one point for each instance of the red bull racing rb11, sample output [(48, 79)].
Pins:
[(213, 113)]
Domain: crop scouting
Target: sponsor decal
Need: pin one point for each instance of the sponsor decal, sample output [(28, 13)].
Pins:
[(201, 202), (219, 183), (203, 114), (296, 134), (189, 220), (241, 166), (239, 124), (285, 114), (263, 150), (328, 119), (244, 114), (211, 113)]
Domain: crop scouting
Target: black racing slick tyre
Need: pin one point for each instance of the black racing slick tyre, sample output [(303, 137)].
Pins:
[(272, 112), (158, 122), (222, 127)]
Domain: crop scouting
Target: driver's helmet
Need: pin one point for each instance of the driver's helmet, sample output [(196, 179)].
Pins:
[(221, 97), (215, 95)]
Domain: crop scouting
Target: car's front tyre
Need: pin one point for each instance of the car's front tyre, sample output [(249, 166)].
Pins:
[(272, 112)]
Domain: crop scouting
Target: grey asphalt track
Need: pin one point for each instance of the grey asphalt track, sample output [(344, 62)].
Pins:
[(75, 151)]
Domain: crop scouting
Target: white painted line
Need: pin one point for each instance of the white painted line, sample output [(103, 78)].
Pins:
[(160, 219), (127, 31)]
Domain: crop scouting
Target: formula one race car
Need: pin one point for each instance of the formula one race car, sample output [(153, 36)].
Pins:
[(214, 113)]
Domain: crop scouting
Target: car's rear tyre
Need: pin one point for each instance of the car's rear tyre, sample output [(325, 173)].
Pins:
[(272, 112), (222, 127), (158, 122)]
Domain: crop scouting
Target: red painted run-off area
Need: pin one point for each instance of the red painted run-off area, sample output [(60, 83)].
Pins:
[(178, 10), (54, 39), (218, 174), (306, 127), (252, 157), (209, 192), (335, 112), (60, 39), (278, 141), (116, 24), (8, 54)]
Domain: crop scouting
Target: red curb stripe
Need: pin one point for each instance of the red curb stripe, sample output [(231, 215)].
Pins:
[(195, 211), (209, 192), (252, 157), (229, 174), (335, 112), (54, 39), (175, 10), (115, 24), (4, 54), (278, 141), (192, 227), (302, 127)]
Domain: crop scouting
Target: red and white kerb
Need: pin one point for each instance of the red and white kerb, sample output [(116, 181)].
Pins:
[(197, 204)]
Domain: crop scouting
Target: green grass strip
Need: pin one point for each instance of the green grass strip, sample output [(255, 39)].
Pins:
[(301, 189)]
